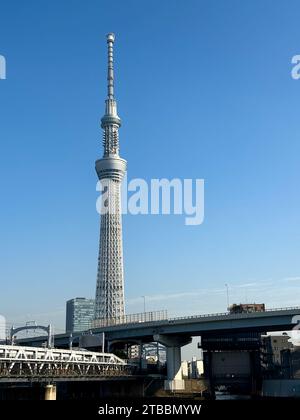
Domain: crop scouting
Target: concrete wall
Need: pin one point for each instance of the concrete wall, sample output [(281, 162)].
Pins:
[(281, 388), (231, 363)]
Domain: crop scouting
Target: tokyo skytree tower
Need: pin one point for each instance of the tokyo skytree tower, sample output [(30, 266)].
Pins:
[(111, 170)]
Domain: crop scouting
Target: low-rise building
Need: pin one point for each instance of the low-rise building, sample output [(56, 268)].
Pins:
[(275, 355), (246, 308)]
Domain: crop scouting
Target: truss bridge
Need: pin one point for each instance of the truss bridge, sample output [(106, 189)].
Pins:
[(18, 363)]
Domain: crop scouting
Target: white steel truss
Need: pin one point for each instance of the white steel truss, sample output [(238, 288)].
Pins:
[(19, 361)]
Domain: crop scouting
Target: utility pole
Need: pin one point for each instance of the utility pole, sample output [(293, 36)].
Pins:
[(103, 342)]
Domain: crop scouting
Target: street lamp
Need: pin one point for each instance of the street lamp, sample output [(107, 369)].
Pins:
[(227, 293), (144, 303)]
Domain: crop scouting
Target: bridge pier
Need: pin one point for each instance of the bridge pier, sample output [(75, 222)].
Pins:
[(173, 345), (50, 392), (210, 376)]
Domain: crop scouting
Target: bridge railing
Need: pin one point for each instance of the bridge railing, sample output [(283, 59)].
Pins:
[(288, 308), (131, 319), (221, 314)]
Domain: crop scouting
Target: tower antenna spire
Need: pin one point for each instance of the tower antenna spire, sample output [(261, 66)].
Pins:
[(110, 68)]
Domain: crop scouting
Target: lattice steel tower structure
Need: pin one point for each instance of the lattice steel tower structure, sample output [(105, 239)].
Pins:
[(111, 170)]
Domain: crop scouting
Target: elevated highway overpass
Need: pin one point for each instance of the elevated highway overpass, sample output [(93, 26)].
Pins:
[(198, 325), (177, 332)]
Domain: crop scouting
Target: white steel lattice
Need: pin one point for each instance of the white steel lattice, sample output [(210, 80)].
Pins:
[(110, 279)]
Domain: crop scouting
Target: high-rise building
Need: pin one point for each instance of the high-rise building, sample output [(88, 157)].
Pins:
[(79, 314), (111, 169)]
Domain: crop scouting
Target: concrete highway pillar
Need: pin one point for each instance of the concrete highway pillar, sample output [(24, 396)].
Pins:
[(174, 363), (173, 345), (50, 392)]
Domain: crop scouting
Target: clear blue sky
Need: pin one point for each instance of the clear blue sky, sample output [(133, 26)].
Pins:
[(204, 91)]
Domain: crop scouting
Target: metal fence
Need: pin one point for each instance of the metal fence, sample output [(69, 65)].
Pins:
[(131, 319), (240, 314)]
